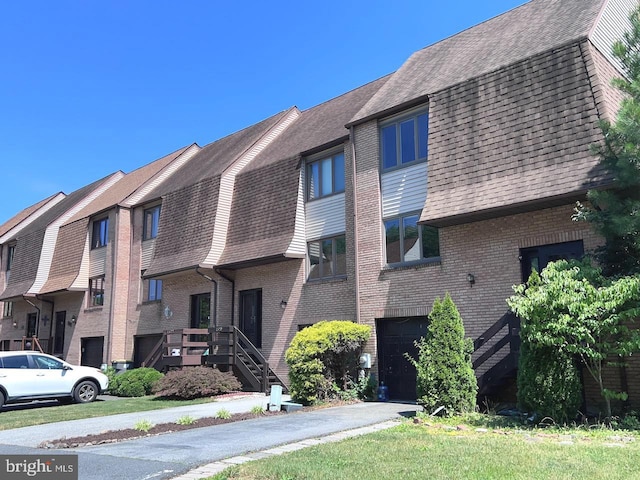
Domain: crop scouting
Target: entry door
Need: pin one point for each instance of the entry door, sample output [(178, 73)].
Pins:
[(397, 336), (536, 258), (58, 335), (200, 310), (251, 315), (92, 350)]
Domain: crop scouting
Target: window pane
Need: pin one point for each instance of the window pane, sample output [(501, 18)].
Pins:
[(338, 173), (411, 246), (326, 176), (327, 258), (423, 135), (392, 233), (430, 242), (407, 135), (389, 147), (314, 260), (313, 181), (341, 256)]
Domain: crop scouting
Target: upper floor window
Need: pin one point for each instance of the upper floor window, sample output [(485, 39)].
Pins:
[(11, 251), (96, 292), (327, 258), (406, 241), (154, 289), (325, 176), (100, 233), (151, 221), (7, 309), (404, 141)]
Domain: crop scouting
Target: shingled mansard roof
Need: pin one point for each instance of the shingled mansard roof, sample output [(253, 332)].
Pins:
[(514, 104), (72, 237), (263, 214), (190, 198), (35, 244)]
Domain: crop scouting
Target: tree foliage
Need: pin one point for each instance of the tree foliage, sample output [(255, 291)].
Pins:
[(574, 310), (323, 358), (445, 376), (615, 212)]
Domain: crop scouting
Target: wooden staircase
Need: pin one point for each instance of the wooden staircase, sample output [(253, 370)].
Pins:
[(503, 340), (225, 348)]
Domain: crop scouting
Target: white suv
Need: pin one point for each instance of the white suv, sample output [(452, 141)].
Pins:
[(27, 375)]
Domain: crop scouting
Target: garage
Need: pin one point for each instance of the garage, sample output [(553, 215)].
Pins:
[(396, 336)]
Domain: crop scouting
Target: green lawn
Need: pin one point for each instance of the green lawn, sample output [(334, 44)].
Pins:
[(439, 452), (48, 414)]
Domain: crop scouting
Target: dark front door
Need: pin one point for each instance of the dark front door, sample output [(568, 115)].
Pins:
[(200, 310), (536, 258), (32, 321), (92, 350), (58, 334), (396, 337), (251, 315)]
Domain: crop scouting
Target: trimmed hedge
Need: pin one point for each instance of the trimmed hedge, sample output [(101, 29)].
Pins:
[(134, 383), (323, 359), (196, 382)]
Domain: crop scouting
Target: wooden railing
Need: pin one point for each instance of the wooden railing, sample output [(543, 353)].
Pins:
[(508, 362), (225, 347)]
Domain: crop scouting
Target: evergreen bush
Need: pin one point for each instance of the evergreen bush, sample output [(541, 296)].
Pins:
[(134, 383), (548, 383), (445, 376), (196, 382), (323, 359)]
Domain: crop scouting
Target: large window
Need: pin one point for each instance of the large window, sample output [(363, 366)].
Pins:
[(11, 250), (100, 233), (406, 241), (7, 309), (404, 141), (325, 177), (327, 258), (154, 290), (151, 220), (96, 292)]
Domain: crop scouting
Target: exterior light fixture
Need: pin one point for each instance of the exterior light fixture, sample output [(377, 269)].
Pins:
[(167, 312), (283, 304), (15, 324), (73, 320), (471, 278)]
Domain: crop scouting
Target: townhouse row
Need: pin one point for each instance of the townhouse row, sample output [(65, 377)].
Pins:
[(457, 173)]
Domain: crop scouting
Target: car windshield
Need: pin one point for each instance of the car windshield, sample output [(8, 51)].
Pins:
[(46, 362)]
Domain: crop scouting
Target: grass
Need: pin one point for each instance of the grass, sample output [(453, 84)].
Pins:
[(37, 416), (442, 451)]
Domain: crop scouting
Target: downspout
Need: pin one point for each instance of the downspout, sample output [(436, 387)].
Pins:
[(215, 299), (354, 185), (114, 255), (233, 293)]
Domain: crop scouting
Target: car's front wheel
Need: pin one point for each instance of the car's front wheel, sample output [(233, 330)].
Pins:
[(85, 392), (2, 399)]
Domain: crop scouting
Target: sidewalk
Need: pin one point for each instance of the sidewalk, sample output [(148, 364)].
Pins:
[(33, 436)]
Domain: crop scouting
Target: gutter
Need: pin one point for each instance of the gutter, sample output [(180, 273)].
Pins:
[(354, 184)]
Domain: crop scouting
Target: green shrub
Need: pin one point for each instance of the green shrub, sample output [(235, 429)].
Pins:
[(134, 383), (186, 420), (548, 383), (445, 376), (224, 414), (196, 382), (143, 425), (323, 359)]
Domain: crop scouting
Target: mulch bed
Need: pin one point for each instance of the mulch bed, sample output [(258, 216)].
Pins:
[(113, 436)]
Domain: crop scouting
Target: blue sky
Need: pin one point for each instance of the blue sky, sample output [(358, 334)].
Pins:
[(89, 88)]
